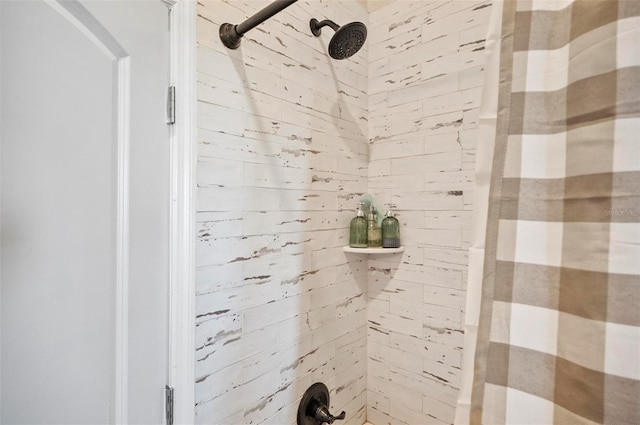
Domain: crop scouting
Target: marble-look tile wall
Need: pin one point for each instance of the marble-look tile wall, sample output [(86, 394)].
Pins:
[(282, 159), (425, 75)]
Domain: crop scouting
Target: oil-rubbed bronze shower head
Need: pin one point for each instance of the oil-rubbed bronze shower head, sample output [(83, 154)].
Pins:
[(347, 40)]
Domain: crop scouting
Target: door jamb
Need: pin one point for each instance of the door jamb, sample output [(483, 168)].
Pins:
[(182, 213)]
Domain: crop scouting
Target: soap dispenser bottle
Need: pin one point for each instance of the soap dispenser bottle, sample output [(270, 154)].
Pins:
[(374, 233), (358, 229), (390, 231)]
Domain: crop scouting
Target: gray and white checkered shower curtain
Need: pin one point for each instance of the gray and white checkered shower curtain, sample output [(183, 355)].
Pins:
[(559, 327)]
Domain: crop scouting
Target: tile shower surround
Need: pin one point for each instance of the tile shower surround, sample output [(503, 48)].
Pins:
[(425, 75), (288, 140)]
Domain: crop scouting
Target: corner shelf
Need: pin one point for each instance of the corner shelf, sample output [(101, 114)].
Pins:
[(373, 250)]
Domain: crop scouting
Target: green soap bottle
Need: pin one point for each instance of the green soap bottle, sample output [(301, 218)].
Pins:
[(390, 231), (358, 230)]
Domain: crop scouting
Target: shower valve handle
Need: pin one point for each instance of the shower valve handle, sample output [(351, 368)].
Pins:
[(341, 416), (313, 409), (321, 413)]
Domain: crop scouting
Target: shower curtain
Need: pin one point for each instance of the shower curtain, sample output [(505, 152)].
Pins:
[(553, 311)]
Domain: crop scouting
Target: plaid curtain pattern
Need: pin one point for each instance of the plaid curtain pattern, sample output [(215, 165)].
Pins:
[(559, 330)]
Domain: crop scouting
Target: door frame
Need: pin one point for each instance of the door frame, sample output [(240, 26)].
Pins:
[(183, 212)]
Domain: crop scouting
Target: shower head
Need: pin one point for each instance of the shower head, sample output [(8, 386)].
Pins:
[(347, 40)]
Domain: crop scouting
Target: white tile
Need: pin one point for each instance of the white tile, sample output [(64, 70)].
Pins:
[(411, 414), (447, 83), (470, 78), (424, 386), (442, 411), (217, 330), (394, 323), (212, 144), (230, 250), (447, 337), (219, 92), (208, 387), (217, 172), (377, 401), (449, 374), (430, 201), (449, 258), (293, 327), (295, 126), (217, 277), (273, 357), (220, 65), (209, 198), (215, 358), (277, 311), (394, 389), (220, 118), (443, 104), (436, 315), (450, 122), (336, 329), (235, 299), (211, 225)]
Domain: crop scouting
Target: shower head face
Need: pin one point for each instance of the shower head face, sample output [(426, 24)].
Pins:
[(347, 40)]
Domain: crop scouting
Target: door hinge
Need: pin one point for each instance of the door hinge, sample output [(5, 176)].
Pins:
[(168, 402), (171, 105)]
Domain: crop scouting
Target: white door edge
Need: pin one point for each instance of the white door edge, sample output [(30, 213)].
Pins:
[(74, 12), (182, 215)]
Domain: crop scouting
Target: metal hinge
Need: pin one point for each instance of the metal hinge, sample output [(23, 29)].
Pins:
[(171, 105), (168, 402)]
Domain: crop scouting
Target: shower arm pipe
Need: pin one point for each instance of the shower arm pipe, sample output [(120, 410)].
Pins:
[(232, 34), (315, 26)]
